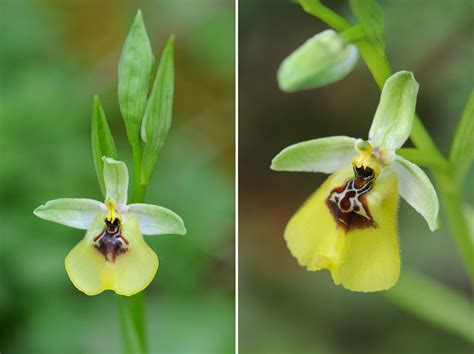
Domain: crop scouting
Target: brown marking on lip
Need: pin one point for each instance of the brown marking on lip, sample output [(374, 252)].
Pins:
[(110, 242), (349, 220)]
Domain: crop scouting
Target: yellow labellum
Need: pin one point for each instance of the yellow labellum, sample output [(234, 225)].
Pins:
[(128, 274), (361, 257)]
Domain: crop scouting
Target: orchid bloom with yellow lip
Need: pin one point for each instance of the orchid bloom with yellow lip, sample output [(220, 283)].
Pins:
[(349, 225), (113, 254)]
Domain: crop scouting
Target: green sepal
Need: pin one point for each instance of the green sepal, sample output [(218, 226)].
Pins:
[(158, 114), (395, 113), (462, 148), (322, 60), (325, 155), (416, 188), (134, 75), (370, 17), (102, 141)]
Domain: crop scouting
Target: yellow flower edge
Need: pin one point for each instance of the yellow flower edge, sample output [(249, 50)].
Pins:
[(365, 259), (129, 274)]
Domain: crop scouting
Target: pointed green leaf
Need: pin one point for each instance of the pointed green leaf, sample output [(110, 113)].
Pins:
[(158, 115), (393, 119), (134, 74), (416, 188), (462, 148), (324, 155), (323, 59), (102, 141), (370, 16)]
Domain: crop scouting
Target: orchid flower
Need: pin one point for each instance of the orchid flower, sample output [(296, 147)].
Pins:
[(349, 225), (113, 254)]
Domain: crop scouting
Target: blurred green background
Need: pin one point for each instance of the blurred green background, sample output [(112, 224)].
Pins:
[(282, 307), (54, 56)]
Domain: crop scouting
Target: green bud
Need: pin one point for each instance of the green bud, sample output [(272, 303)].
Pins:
[(158, 115), (321, 60), (102, 141), (134, 75)]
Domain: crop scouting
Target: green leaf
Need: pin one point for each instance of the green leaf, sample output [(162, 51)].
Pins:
[(395, 113), (462, 148), (416, 188), (324, 155), (102, 141), (323, 59), (134, 75), (370, 16), (158, 114)]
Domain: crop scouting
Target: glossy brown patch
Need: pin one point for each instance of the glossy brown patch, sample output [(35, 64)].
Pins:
[(349, 207), (110, 242)]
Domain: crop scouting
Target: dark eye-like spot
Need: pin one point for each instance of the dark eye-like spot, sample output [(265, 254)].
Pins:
[(365, 173)]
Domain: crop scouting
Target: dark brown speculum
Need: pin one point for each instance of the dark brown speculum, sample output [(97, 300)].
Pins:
[(110, 242), (347, 203)]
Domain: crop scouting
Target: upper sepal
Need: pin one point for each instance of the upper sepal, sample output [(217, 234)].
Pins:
[(156, 220), (393, 119), (415, 187), (116, 180), (324, 155), (323, 59)]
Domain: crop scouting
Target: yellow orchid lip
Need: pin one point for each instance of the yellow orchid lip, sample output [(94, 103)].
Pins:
[(128, 273)]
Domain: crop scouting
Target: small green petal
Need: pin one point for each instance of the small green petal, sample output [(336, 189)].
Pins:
[(416, 188), (323, 59), (156, 220), (393, 119), (74, 212), (116, 180), (324, 155)]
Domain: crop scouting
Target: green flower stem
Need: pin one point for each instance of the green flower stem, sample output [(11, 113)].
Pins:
[(407, 296), (353, 34), (325, 14), (429, 299), (453, 207), (138, 189), (132, 309), (424, 158), (130, 339)]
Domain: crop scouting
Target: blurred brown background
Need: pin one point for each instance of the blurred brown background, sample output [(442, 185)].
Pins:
[(54, 56), (283, 307)]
